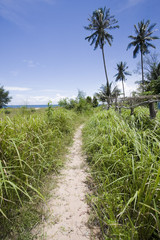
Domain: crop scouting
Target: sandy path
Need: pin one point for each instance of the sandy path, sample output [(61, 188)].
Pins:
[(67, 209)]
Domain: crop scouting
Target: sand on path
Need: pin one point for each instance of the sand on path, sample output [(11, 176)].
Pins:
[(67, 209)]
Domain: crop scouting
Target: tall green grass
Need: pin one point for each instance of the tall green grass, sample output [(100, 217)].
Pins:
[(124, 154), (30, 147)]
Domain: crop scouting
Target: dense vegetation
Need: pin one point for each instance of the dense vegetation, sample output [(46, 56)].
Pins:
[(81, 104), (31, 145), (123, 153)]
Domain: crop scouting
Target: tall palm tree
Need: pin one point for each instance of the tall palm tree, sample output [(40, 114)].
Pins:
[(142, 40), (100, 22), (122, 72)]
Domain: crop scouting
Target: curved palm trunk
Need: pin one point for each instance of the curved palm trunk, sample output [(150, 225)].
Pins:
[(105, 71), (142, 72), (123, 88)]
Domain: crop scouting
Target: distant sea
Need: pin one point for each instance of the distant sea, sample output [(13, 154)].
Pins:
[(29, 106)]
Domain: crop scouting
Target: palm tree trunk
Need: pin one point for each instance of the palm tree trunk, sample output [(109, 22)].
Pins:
[(123, 88), (105, 71), (142, 72)]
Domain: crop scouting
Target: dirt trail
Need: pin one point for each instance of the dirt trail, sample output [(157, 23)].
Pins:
[(67, 209)]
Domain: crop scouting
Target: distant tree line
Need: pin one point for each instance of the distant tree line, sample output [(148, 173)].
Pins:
[(80, 104)]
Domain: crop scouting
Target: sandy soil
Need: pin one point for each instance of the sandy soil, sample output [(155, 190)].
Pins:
[(67, 209)]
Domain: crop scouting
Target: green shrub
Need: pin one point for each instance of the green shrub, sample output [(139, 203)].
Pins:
[(80, 104)]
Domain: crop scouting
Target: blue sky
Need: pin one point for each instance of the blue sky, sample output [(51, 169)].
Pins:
[(44, 55)]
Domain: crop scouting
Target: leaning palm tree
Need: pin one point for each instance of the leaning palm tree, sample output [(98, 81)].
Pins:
[(100, 22), (142, 40), (122, 72)]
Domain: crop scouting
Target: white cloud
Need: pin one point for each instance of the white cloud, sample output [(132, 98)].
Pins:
[(53, 91), (19, 99), (129, 4), (31, 63), (47, 1), (16, 10), (128, 87), (59, 97), (16, 88), (13, 11), (134, 2), (14, 73), (45, 99)]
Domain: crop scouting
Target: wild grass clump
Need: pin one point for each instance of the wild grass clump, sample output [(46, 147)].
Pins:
[(30, 147), (125, 164)]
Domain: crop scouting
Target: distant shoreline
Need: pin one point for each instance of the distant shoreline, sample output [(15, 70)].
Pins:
[(30, 106)]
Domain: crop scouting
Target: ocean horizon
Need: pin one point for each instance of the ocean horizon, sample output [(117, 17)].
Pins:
[(30, 106)]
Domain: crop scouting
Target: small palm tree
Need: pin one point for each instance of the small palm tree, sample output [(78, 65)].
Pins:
[(100, 22), (116, 92), (122, 72), (102, 95), (142, 40)]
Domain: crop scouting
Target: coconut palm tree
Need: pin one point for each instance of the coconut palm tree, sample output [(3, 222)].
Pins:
[(122, 72), (100, 22), (142, 40)]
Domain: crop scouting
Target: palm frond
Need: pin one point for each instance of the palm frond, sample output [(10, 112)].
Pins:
[(151, 27), (94, 35), (147, 24), (136, 29), (136, 50), (134, 43), (97, 43), (109, 38), (132, 37), (127, 73), (155, 37), (150, 45)]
